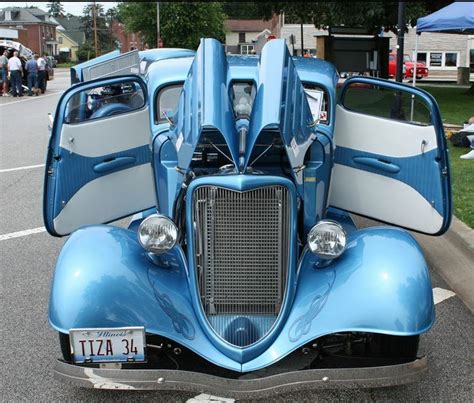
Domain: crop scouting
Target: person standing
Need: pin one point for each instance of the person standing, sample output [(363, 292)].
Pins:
[(16, 72), (31, 68), (42, 73), (4, 72)]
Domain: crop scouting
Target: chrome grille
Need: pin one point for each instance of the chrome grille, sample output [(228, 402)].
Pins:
[(241, 252)]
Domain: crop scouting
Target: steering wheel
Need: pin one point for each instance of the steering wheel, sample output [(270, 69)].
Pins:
[(110, 109)]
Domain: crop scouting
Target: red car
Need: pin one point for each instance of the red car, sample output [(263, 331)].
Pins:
[(409, 65)]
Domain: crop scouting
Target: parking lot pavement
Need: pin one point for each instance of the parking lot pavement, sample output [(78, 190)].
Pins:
[(28, 254)]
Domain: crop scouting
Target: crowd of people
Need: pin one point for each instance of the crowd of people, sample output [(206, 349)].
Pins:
[(12, 72)]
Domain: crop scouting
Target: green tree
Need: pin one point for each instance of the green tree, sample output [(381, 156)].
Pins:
[(372, 15), (85, 52), (105, 40), (181, 24), (55, 9), (241, 10)]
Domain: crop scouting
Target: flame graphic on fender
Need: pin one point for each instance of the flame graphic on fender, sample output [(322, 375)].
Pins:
[(302, 325)]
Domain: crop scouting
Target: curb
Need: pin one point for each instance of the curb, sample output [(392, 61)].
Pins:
[(450, 255)]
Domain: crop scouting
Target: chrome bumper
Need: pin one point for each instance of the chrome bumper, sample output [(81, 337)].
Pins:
[(246, 387)]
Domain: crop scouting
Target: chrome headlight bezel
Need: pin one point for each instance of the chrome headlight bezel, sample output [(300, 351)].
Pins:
[(152, 230), (332, 232)]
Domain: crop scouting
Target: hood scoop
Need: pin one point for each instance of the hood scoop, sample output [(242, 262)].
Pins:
[(280, 105), (204, 105)]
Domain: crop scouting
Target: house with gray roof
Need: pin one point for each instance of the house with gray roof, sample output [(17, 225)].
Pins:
[(38, 30)]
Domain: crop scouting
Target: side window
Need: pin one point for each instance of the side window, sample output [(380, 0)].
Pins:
[(386, 103), (167, 102), (104, 101)]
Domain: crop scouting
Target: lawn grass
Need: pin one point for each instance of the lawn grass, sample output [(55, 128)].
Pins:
[(462, 183), (457, 107), (455, 104)]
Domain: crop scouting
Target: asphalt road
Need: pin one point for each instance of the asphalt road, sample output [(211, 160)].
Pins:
[(29, 346)]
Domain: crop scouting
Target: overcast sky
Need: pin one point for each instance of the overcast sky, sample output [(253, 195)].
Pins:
[(73, 7)]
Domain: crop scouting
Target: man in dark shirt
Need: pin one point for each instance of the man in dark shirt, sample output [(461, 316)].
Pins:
[(32, 71)]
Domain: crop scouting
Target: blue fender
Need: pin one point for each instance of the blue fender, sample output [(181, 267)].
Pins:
[(380, 284), (104, 278)]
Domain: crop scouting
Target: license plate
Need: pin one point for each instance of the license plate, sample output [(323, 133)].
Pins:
[(108, 345)]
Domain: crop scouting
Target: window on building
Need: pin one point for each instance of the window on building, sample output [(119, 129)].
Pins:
[(60, 40), (246, 49), (421, 57), (436, 59), (241, 37), (451, 59)]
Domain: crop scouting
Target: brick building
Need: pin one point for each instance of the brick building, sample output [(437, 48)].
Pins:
[(126, 40), (35, 29)]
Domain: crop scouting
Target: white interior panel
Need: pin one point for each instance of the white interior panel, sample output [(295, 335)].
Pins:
[(382, 198), (99, 137), (381, 136), (108, 198)]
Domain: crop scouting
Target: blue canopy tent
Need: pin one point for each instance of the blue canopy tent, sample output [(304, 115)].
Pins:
[(457, 18)]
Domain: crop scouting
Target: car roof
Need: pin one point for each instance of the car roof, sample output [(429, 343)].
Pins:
[(168, 69)]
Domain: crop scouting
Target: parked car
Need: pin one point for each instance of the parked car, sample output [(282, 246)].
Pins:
[(241, 272), (24, 55), (52, 61), (408, 67)]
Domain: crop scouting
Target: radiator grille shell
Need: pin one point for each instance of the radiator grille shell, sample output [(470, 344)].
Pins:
[(241, 244)]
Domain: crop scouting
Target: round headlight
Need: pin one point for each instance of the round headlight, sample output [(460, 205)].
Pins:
[(157, 233), (327, 239)]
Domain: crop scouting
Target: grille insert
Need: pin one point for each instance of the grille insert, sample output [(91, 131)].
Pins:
[(241, 252)]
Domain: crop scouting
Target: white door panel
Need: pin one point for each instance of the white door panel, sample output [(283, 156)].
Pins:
[(390, 169), (108, 198), (99, 157), (382, 198), (108, 135), (381, 136)]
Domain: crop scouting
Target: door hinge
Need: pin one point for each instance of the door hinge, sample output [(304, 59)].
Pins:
[(444, 171), (50, 171)]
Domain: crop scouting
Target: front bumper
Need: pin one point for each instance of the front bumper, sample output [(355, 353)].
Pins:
[(245, 386)]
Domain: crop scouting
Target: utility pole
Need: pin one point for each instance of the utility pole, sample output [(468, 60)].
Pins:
[(301, 29), (157, 24), (400, 40), (94, 16)]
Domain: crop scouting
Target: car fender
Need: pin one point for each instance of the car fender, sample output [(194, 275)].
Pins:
[(381, 284), (104, 278)]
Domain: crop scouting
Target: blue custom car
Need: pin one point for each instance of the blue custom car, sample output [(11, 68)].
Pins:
[(241, 271)]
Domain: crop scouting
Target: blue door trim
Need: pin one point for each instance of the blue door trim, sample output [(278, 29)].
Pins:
[(55, 158), (442, 200)]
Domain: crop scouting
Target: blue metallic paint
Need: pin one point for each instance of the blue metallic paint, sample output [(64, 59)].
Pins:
[(167, 178), (103, 278), (242, 183), (278, 85), (76, 71), (422, 172), (205, 103), (73, 171), (77, 170), (443, 200), (381, 284)]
